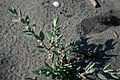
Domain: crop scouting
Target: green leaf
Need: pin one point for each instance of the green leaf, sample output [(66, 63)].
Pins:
[(16, 20), (59, 38), (67, 65), (15, 11), (83, 76), (58, 31), (118, 70), (55, 20), (57, 63), (23, 20), (109, 70), (36, 72), (79, 68), (28, 79), (49, 35), (106, 66), (42, 51), (36, 37), (12, 10), (25, 30), (55, 52), (52, 28), (92, 70), (54, 66), (91, 66), (114, 76), (48, 67), (40, 47), (20, 13), (88, 65), (41, 35), (26, 36), (27, 19), (101, 76), (52, 57)]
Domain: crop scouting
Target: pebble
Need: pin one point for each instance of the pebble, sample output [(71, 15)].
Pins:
[(56, 4)]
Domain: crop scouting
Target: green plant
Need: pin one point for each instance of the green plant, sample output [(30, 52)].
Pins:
[(65, 63)]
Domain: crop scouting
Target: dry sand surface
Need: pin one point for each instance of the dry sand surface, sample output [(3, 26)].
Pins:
[(18, 56)]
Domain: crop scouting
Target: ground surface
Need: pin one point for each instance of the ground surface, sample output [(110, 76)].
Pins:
[(17, 55)]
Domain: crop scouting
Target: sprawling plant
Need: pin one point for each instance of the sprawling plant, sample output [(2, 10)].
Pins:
[(65, 61)]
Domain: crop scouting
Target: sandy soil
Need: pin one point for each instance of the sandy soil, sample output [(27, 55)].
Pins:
[(18, 56)]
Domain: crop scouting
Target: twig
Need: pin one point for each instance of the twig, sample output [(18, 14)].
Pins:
[(115, 34)]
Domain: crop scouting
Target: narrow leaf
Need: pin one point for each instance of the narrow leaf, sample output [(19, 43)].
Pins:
[(114, 76), (26, 36), (27, 19), (92, 70), (23, 20), (101, 76), (37, 37), (40, 47), (52, 57), (106, 66), (57, 63), (15, 11), (41, 35), (55, 52), (41, 51), (53, 66), (109, 70), (66, 65), (16, 20), (92, 65), (11, 10), (55, 20), (47, 66), (88, 65), (20, 13), (118, 70), (49, 35), (36, 72), (25, 30), (52, 28)]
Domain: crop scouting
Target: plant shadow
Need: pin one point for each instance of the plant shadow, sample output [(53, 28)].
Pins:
[(92, 52), (95, 52)]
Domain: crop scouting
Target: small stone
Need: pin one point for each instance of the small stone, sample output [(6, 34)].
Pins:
[(56, 4)]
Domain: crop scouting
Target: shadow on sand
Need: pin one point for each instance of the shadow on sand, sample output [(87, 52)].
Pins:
[(92, 52)]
